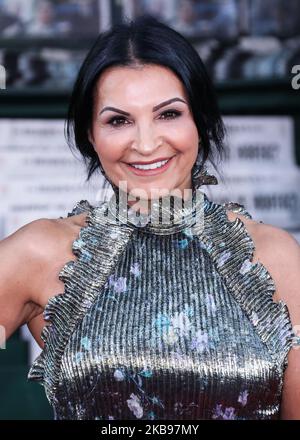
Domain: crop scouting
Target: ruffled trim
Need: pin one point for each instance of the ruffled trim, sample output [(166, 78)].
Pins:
[(98, 249), (231, 249)]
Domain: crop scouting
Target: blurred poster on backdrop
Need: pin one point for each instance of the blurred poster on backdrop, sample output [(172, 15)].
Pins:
[(260, 170), (199, 19), (50, 18), (39, 176), (274, 17), (44, 42)]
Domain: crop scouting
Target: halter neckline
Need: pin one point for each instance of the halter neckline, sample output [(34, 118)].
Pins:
[(167, 215)]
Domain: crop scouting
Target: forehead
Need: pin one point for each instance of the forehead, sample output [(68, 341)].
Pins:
[(130, 83)]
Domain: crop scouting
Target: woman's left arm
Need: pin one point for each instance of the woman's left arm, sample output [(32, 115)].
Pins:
[(286, 275), (279, 252)]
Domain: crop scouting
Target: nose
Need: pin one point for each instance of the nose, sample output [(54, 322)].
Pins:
[(146, 142)]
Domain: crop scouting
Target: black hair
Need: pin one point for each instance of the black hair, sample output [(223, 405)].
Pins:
[(144, 40)]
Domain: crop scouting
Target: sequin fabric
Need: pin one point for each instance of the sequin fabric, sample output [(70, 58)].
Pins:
[(167, 326)]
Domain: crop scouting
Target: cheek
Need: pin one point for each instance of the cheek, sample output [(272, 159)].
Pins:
[(108, 152), (188, 142)]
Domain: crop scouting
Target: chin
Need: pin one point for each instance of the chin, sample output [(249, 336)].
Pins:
[(148, 193)]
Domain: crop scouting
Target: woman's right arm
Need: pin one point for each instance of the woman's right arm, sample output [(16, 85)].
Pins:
[(23, 259)]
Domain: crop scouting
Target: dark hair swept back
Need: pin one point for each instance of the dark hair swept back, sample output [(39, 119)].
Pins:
[(144, 40)]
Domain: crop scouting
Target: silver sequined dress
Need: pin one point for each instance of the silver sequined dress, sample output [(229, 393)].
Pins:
[(164, 324)]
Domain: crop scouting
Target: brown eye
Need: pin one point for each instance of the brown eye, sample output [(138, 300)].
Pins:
[(171, 114), (116, 118)]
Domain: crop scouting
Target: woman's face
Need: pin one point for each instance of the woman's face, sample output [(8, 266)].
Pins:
[(139, 135)]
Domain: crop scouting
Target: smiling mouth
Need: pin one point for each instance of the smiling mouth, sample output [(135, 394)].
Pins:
[(150, 168)]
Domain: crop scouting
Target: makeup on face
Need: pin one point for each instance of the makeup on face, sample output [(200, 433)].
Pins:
[(143, 130)]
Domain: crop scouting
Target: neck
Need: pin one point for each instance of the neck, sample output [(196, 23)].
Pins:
[(139, 203), (176, 210), (144, 206)]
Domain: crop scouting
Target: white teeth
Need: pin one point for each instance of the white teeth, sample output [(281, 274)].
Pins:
[(150, 166)]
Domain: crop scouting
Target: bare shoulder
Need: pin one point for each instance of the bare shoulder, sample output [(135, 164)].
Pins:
[(49, 241), (46, 228), (42, 238), (31, 258), (278, 251), (269, 238)]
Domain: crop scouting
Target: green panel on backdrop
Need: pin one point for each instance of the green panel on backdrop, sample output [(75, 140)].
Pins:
[(20, 398)]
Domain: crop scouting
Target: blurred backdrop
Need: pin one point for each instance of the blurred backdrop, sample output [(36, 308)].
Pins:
[(251, 49)]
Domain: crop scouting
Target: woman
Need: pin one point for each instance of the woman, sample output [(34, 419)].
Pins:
[(186, 318)]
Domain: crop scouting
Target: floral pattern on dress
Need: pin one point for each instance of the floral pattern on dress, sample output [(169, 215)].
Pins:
[(228, 413), (243, 397), (139, 401), (135, 270), (135, 406)]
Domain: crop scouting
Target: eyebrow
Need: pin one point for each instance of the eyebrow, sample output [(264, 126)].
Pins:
[(156, 107)]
